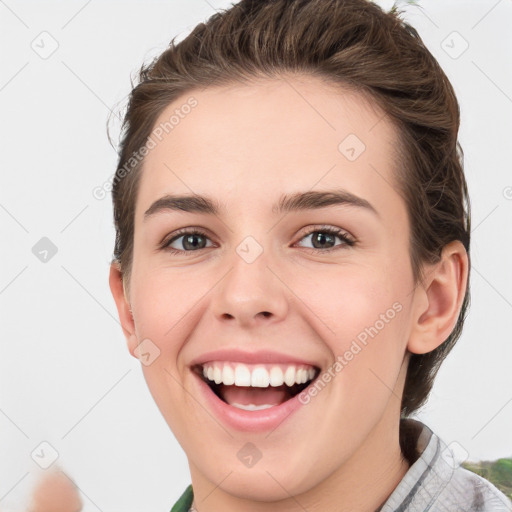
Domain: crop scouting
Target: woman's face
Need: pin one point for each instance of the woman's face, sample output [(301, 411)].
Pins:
[(265, 282)]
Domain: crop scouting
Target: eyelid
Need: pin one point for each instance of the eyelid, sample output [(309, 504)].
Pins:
[(347, 239), (190, 230), (326, 228)]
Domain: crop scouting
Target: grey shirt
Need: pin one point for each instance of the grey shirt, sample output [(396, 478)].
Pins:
[(436, 482)]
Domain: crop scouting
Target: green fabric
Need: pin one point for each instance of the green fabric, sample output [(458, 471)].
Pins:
[(185, 501)]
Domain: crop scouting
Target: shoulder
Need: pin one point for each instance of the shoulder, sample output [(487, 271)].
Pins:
[(436, 481), (473, 493)]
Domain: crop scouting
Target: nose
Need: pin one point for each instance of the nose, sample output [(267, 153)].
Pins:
[(251, 294)]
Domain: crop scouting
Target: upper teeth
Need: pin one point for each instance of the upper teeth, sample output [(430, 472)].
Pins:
[(260, 376)]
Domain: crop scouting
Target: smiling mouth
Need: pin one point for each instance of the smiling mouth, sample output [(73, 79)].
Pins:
[(256, 387)]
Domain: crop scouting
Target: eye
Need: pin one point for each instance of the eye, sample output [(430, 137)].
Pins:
[(327, 235), (192, 240)]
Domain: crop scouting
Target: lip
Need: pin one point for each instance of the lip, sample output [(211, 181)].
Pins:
[(247, 421), (240, 356)]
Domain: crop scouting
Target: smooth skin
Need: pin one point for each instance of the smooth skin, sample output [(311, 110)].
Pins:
[(245, 146)]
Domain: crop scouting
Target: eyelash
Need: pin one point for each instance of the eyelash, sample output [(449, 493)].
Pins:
[(325, 229)]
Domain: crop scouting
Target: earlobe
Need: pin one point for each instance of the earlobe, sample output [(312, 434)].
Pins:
[(438, 303), (123, 307)]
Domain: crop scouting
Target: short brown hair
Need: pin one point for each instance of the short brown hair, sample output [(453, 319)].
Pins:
[(350, 43)]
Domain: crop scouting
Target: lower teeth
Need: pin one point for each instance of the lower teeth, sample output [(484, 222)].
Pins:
[(251, 407)]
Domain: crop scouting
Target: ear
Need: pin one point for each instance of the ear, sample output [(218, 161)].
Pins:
[(438, 302), (123, 307)]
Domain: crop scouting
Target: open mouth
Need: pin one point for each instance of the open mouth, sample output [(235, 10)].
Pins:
[(256, 387)]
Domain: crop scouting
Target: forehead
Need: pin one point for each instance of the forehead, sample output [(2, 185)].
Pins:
[(252, 141)]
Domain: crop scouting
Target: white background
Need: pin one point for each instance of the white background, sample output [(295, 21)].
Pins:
[(66, 375)]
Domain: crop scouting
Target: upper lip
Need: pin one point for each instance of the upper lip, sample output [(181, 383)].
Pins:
[(237, 355)]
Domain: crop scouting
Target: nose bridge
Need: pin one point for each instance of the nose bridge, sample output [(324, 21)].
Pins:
[(250, 291)]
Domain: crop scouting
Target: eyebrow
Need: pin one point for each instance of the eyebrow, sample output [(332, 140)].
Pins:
[(298, 201)]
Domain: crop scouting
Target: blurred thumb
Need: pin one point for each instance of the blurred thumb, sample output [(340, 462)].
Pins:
[(56, 492)]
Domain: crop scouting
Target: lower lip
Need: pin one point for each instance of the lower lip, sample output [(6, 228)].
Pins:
[(248, 421)]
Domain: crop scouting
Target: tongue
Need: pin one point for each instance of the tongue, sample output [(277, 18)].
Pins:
[(246, 395)]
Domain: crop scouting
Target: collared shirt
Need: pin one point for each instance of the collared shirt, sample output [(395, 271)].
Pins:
[(435, 481)]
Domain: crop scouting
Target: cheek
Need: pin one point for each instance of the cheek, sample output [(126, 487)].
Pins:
[(161, 303), (360, 315), (348, 299), (164, 305)]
